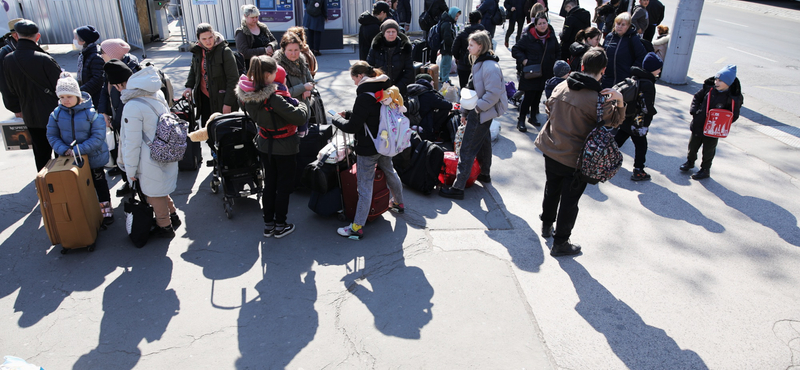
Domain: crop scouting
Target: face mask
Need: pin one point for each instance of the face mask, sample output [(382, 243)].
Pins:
[(76, 44)]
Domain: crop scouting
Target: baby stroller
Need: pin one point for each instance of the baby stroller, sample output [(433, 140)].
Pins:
[(236, 160)]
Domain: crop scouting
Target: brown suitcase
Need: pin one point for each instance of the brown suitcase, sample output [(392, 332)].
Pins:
[(69, 204)]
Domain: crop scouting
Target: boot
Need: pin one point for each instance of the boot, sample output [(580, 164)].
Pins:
[(565, 249), (702, 174), (521, 125), (687, 166)]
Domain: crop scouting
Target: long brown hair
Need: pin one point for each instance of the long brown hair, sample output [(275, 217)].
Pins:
[(259, 65), (587, 33), (363, 68)]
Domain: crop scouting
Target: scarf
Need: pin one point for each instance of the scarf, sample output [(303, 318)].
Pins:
[(293, 68), (537, 36)]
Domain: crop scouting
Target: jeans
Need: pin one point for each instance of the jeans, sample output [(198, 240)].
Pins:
[(530, 102), (162, 207), (366, 180), (639, 142), (444, 69), (42, 151), (279, 172), (561, 187), (709, 145), (477, 143)]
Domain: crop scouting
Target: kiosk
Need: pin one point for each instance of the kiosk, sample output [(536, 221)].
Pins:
[(280, 15)]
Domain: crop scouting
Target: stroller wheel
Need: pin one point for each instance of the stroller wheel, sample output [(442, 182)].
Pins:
[(214, 186)]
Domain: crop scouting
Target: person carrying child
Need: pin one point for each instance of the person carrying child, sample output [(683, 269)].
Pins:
[(278, 116), (636, 126), (75, 128), (723, 91)]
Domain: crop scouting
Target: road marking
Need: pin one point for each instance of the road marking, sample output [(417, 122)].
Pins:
[(721, 60), (755, 55), (735, 24), (779, 90)]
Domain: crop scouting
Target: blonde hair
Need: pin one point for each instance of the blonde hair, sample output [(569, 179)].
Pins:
[(483, 39), (249, 10), (623, 17), (538, 8)]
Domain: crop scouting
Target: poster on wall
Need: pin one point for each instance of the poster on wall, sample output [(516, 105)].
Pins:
[(204, 2), (15, 134)]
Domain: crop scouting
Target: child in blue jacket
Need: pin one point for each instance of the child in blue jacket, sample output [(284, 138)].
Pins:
[(75, 120)]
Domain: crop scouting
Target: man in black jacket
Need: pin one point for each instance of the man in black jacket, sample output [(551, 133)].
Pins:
[(576, 20), (31, 75), (656, 11), (370, 27), (10, 45)]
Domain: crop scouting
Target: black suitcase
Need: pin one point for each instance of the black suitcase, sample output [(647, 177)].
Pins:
[(419, 51), (419, 165), (327, 204), (317, 137)]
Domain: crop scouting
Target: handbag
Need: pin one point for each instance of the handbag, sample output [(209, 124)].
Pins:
[(469, 98), (138, 217), (532, 71), (718, 121)]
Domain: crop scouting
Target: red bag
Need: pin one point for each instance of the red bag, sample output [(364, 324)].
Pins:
[(718, 121), (448, 174)]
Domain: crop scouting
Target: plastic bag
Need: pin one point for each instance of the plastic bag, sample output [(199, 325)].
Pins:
[(494, 130), (449, 92), (16, 363)]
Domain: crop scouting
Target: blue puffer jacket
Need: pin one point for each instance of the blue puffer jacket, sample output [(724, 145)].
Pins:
[(75, 124)]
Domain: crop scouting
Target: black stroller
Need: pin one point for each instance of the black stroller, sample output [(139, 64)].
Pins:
[(236, 160)]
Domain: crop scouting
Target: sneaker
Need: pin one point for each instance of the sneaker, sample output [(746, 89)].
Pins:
[(484, 178), (565, 249), (453, 193), (124, 190), (348, 232), (283, 230), (521, 125), (702, 174), (397, 208), (162, 232), (639, 175), (269, 229), (176, 221), (687, 166), (547, 230)]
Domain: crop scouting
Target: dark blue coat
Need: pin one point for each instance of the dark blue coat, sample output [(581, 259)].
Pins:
[(487, 9), (110, 102), (91, 77), (518, 14), (536, 52), (623, 53), (315, 23)]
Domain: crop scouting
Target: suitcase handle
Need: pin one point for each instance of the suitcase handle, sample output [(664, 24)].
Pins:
[(77, 159)]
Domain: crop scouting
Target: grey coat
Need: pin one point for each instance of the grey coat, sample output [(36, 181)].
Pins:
[(487, 80)]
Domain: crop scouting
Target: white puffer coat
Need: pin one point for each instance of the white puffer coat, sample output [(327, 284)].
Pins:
[(156, 179)]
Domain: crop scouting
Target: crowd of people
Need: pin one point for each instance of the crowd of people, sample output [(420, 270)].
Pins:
[(579, 69)]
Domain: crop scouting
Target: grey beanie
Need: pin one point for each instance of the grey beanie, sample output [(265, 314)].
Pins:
[(561, 68)]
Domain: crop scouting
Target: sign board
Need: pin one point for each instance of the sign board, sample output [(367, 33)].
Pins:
[(16, 135)]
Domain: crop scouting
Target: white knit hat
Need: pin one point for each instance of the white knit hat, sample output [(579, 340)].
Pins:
[(67, 85)]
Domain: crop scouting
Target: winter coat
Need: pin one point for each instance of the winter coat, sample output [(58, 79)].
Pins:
[(436, 8), (536, 52), (487, 9), (640, 19), (719, 99), (460, 44), (92, 75), (516, 15), (404, 12), (297, 75), (660, 46), (24, 95), (138, 121), (110, 102), (623, 52), (550, 85), (487, 81), (244, 41), (272, 112), (577, 19), (10, 46), (447, 33), (572, 115), (315, 23), (223, 74), (429, 101), (395, 61), (366, 111), (370, 27), (655, 9), (576, 51), (647, 87), (75, 124)]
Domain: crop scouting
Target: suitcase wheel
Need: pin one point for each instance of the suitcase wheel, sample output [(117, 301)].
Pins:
[(90, 248), (64, 250)]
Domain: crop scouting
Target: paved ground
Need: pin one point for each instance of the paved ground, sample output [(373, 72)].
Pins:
[(676, 274)]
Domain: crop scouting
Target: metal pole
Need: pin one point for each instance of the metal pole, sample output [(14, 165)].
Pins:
[(681, 42)]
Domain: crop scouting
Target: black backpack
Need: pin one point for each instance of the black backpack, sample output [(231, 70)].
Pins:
[(412, 110), (426, 21), (314, 8), (629, 88), (241, 63), (435, 38)]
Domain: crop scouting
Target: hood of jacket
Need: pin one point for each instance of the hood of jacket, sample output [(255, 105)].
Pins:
[(218, 40), (487, 56), (419, 88), (446, 17), (578, 48), (257, 96), (86, 103), (373, 84), (642, 74), (379, 42), (246, 30), (143, 83), (366, 19), (580, 81)]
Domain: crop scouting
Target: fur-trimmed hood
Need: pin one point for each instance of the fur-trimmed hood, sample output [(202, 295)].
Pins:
[(246, 30), (379, 42), (260, 95)]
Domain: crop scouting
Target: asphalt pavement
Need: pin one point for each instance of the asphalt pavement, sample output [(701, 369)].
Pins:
[(675, 273)]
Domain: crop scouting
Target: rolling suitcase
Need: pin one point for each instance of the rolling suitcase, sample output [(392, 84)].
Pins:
[(68, 202), (380, 194)]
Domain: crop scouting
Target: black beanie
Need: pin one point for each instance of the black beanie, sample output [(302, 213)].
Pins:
[(117, 71), (88, 34)]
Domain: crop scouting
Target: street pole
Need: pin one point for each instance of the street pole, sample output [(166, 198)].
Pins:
[(681, 42)]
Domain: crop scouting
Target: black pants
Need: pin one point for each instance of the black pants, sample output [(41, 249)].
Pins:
[(530, 103), (101, 184), (709, 145), (511, 23), (561, 187), (279, 171), (314, 39), (205, 114), (477, 144), (650, 32), (639, 142), (463, 77), (42, 151)]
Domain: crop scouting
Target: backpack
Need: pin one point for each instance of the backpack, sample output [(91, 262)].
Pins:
[(499, 16), (314, 8), (241, 63), (426, 21), (169, 144), (394, 131), (629, 88), (434, 38), (412, 110), (600, 158), (166, 84)]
